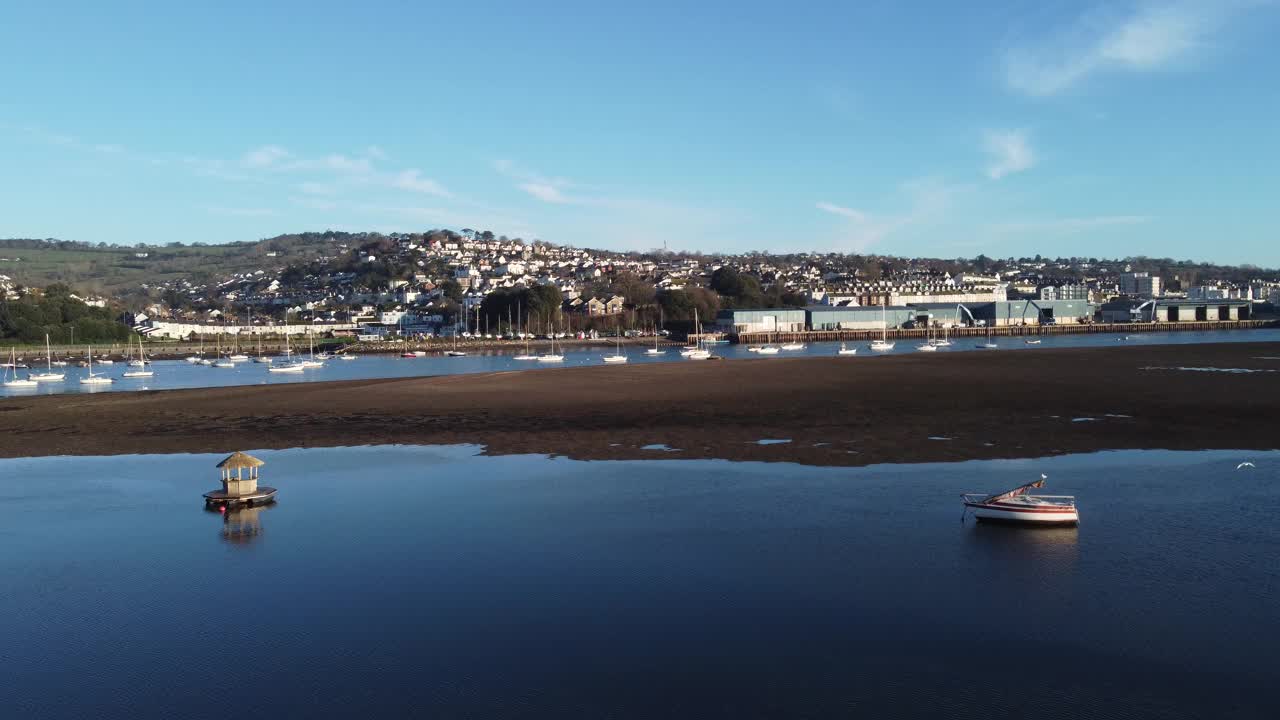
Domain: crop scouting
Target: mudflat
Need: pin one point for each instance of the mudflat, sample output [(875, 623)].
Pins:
[(833, 411)]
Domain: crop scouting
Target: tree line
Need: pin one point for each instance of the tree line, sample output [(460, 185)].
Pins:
[(65, 319)]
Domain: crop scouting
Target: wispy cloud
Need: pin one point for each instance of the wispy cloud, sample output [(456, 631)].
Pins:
[(412, 180), (926, 200), (842, 211), (545, 193), (1010, 152), (544, 188), (1066, 226), (265, 157), (1154, 36)]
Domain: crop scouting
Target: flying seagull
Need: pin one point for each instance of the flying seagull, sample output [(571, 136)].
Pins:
[(1244, 465)]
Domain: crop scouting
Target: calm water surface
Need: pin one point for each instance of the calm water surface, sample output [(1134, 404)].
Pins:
[(170, 374), (395, 581)]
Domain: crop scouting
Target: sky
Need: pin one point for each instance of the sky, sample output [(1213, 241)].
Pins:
[(925, 129)]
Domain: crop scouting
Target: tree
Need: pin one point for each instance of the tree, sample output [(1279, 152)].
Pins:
[(452, 289)]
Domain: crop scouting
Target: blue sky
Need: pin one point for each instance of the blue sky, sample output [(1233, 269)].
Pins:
[(941, 129)]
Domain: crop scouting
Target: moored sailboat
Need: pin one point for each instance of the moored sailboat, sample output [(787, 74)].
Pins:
[(94, 378), (12, 367), (49, 375), (883, 344)]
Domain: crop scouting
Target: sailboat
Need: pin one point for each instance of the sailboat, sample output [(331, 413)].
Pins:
[(990, 344), (655, 350), (94, 378), (528, 355), (141, 360), (929, 345), (699, 353), (883, 344), (553, 356), (290, 366), (16, 381), (222, 362), (140, 363), (49, 375), (311, 362), (260, 357), (943, 341), (617, 356)]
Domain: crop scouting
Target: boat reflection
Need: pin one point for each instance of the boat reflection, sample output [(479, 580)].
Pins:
[(241, 524), (1026, 552)]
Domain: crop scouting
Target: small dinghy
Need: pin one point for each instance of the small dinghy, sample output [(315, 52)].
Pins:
[(1019, 506)]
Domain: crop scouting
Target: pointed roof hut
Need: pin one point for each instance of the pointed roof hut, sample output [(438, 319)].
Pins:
[(240, 482)]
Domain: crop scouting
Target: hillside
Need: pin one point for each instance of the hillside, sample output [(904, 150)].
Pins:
[(115, 270)]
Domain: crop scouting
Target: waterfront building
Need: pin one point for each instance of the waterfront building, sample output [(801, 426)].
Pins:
[(1141, 285), (822, 317), (766, 320), (1175, 311)]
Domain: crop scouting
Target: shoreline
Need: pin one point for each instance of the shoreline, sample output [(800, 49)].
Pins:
[(834, 411), (180, 349)]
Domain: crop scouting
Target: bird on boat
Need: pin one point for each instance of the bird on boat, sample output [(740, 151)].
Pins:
[(1244, 465)]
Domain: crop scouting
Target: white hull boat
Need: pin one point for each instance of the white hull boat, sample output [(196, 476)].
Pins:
[(49, 375), (93, 378), (455, 353), (525, 357), (881, 346), (927, 347), (550, 358), (224, 364), (15, 381), (844, 350), (289, 368), (615, 358), (768, 350), (699, 355), (793, 346), (138, 373), (347, 357), (1019, 506)]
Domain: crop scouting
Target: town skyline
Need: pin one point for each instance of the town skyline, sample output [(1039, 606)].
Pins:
[(1132, 130)]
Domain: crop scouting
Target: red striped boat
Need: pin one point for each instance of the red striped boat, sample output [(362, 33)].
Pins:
[(1020, 506)]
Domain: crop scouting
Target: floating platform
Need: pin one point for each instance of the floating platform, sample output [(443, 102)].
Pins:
[(261, 496)]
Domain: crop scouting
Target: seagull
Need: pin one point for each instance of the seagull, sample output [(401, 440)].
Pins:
[(1244, 465)]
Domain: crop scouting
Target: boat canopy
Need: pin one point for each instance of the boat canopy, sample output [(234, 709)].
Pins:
[(1021, 489)]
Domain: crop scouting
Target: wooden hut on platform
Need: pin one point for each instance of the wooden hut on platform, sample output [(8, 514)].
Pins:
[(240, 482)]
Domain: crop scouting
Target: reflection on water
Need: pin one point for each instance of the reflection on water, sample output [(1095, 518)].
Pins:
[(525, 586), (241, 524)]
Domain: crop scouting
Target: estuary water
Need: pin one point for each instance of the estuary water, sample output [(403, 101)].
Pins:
[(436, 582), (174, 374)]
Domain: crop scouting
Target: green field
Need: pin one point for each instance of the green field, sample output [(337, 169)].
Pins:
[(112, 269)]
